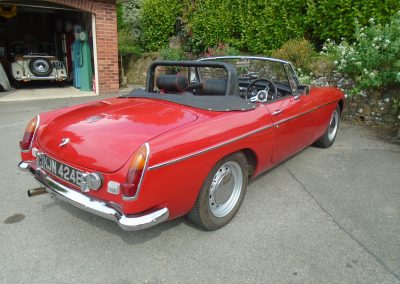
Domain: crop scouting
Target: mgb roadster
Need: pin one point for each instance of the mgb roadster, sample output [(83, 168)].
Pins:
[(187, 144)]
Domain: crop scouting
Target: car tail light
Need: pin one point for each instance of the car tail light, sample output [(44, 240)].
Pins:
[(137, 169), (30, 130)]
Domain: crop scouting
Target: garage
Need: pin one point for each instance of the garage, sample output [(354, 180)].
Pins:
[(59, 45)]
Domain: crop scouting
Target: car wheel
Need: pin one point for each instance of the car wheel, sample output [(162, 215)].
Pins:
[(221, 194), (40, 67), (16, 84), (330, 134)]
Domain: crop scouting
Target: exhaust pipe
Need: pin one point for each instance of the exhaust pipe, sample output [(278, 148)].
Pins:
[(36, 191)]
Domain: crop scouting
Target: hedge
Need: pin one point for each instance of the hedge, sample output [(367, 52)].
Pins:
[(257, 26)]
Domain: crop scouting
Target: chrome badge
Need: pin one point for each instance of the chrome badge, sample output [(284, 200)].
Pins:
[(64, 142)]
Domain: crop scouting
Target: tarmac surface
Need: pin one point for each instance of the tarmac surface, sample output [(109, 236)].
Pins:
[(324, 216)]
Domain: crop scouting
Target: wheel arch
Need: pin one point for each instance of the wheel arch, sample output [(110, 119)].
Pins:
[(251, 158), (341, 106)]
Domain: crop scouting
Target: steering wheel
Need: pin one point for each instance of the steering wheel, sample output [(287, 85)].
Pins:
[(262, 95)]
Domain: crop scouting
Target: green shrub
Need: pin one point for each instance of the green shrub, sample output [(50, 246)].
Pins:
[(131, 16), (127, 44), (172, 54), (298, 51), (373, 60), (158, 19), (335, 19)]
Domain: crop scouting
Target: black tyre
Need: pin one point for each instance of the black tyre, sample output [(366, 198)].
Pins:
[(222, 193), (16, 84), (40, 67), (62, 84), (330, 134)]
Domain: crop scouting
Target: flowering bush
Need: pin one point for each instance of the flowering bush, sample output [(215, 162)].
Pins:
[(221, 49), (373, 60), (298, 51)]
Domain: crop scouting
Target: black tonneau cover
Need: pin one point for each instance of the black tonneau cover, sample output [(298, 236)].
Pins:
[(212, 103)]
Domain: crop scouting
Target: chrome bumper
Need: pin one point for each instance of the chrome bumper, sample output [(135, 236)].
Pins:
[(95, 206), (33, 78)]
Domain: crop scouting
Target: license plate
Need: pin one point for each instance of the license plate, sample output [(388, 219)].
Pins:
[(60, 170)]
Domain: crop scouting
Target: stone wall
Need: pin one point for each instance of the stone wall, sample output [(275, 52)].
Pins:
[(372, 107), (135, 69)]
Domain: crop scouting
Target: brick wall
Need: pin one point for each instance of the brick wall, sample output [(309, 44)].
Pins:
[(106, 38)]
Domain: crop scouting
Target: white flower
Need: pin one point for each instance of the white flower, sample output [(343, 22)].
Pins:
[(343, 61), (324, 48), (358, 63), (371, 21), (387, 100), (328, 40), (335, 62), (372, 75), (387, 41), (376, 47)]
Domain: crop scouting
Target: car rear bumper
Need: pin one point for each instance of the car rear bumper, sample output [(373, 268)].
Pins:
[(47, 78), (101, 208)]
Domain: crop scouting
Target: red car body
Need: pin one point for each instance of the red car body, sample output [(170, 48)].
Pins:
[(184, 142)]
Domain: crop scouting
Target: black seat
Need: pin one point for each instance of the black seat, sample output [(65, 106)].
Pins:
[(214, 87), (172, 83)]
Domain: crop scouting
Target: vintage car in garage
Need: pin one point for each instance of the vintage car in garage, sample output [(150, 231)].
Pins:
[(37, 67), (187, 144)]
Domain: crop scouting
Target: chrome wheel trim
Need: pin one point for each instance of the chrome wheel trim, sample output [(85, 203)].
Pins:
[(225, 189), (333, 125), (40, 66)]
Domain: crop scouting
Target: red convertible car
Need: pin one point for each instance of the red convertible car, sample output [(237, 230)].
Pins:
[(187, 144)]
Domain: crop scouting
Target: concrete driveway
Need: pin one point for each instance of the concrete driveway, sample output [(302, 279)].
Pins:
[(325, 216)]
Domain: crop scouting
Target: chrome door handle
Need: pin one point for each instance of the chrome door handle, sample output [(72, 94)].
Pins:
[(277, 112)]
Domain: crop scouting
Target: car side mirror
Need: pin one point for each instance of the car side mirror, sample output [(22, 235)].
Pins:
[(300, 91)]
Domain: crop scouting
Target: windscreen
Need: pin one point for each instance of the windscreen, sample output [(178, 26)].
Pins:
[(248, 69)]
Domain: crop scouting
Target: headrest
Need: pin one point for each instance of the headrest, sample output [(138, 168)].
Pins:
[(214, 87), (172, 83)]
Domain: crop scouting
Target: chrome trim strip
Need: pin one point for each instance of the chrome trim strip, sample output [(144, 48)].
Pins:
[(143, 174), (98, 207), (244, 57), (205, 150), (301, 114), (197, 153), (34, 135)]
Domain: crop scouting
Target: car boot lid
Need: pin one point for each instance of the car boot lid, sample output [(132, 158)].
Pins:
[(103, 135)]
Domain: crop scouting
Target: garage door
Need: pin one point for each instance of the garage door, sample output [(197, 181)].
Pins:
[(46, 45)]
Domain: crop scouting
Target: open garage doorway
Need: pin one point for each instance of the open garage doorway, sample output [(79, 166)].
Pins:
[(48, 47)]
